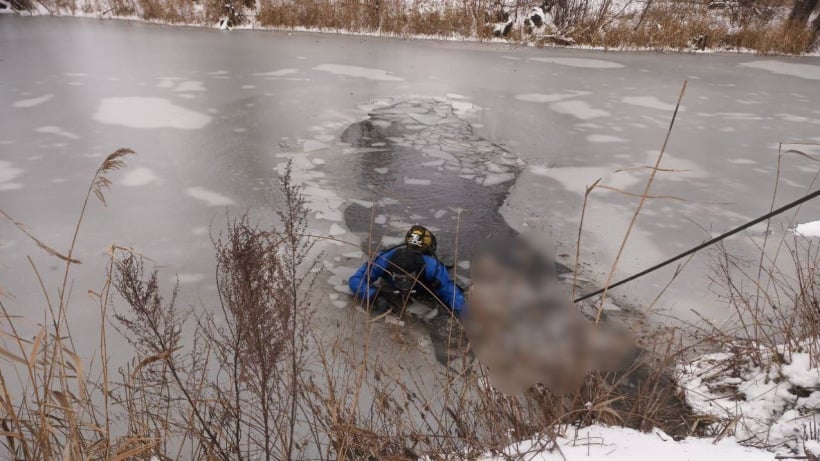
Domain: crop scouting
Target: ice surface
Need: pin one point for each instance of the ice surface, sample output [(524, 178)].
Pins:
[(578, 109), (209, 197), (417, 181), (276, 73), (806, 71), (8, 173), (604, 138), (26, 103), (359, 72), (139, 176), (312, 146), (336, 229), (188, 278), (552, 97), (493, 179), (56, 131), (809, 229), (189, 85), (581, 62), (650, 102), (139, 112)]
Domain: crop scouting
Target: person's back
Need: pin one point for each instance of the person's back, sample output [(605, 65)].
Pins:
[(406, 269)]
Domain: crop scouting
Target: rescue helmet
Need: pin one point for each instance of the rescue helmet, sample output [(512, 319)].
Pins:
[(420, 239)]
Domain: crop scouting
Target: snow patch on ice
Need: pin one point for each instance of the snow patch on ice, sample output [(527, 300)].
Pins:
[(139, 176), (312, 146), (417, 181), (604, 138), (209, 197), (188, 86), (584, 63), (650, 102), (553, 97), (188, 278), (578, 109), (26, 103), (276, 73), (807, 71), (140, 112), (7, 174), (336, 229), (358, 72), (56, 131)]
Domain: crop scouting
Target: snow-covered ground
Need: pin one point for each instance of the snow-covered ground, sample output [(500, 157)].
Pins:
[(773, 402), (599, 443)]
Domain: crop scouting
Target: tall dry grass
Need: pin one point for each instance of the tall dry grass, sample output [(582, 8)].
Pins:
[(256, 378)]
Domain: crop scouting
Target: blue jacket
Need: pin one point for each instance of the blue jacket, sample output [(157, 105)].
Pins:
[(435, 277)]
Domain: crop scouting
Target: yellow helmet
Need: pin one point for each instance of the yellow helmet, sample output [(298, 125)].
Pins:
[(420, 239)]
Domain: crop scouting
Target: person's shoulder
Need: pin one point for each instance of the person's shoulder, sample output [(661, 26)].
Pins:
[(431, 260)]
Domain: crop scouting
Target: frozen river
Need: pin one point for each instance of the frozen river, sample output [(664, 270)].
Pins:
[(505, 136)]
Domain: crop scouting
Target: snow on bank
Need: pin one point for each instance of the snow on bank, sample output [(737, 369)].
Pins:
[(621, 444), (809, 229), (771, 404)]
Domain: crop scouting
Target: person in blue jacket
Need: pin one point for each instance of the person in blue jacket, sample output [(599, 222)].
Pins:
[(404, 270)]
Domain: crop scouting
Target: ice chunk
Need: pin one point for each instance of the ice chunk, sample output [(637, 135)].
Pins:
[(312, 146), (139, 176), (336, 229), (380, 170), (494, 179), (650, 102), (578, 109), (417, 181), (188, 86), (56, 131), (276, 73), (362, 203), (603, 138), (553, 97), (26, 103), (7, 173), (210, 198), (188, 278)]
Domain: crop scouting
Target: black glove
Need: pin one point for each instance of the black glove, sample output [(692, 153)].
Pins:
[(380, 306)]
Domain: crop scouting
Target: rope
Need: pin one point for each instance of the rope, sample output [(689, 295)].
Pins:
[(703, 245)]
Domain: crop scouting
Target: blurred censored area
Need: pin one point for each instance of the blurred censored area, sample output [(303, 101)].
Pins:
[(524, 327)]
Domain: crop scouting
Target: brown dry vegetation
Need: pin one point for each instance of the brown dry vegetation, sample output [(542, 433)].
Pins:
[(660, 24), (254, 378)]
